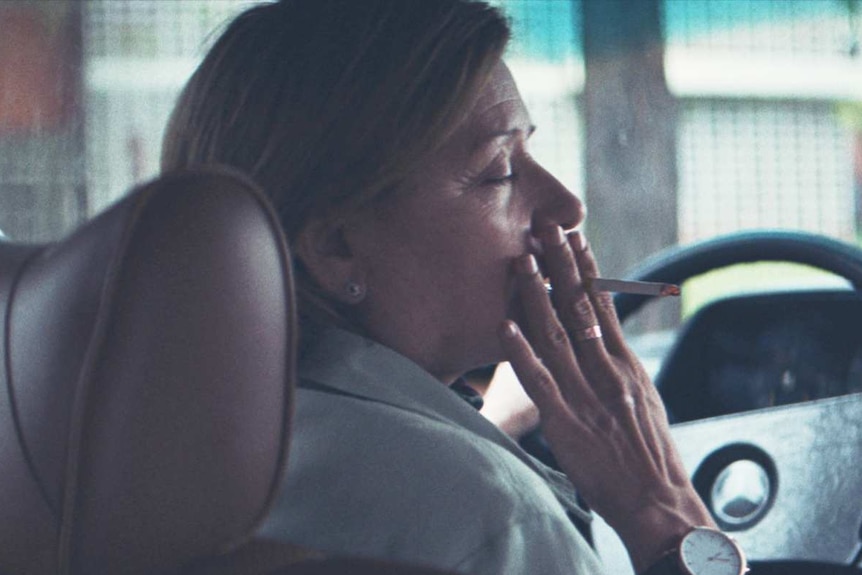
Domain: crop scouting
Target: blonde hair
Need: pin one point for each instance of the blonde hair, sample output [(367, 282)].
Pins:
[(329, 104)]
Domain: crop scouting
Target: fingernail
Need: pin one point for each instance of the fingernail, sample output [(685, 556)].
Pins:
[(526, 265), (553, 236), (577, 241), (509, 329)]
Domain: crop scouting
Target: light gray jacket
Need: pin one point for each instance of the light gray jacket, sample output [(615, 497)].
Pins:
[(388, 463)]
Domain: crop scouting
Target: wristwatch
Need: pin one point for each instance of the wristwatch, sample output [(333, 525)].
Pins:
[(702, 551)]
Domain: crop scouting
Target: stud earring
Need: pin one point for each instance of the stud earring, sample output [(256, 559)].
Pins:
[(355, 291)]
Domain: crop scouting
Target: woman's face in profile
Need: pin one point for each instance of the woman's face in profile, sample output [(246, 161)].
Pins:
[(438, 256)]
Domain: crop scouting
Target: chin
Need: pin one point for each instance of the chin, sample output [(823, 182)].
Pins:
[(484, 348), (489, 354)]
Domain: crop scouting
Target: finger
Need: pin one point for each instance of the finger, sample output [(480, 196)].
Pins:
[(565, 278), (601, 302), (543, 329), (536, 379), (559, 263), (571, 299)]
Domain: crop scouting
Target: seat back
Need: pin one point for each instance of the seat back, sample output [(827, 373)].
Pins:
[(146, 385)]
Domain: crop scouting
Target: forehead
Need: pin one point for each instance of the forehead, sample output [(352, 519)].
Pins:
[(499, 106), (497, 110), (499, 88)]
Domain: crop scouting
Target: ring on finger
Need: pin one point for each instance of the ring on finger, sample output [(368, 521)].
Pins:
[(592, 332)]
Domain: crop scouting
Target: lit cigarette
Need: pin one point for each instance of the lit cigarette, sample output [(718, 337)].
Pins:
[(625, 286)]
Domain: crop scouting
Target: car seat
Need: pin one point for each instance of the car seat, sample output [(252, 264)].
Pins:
[(147, 383)]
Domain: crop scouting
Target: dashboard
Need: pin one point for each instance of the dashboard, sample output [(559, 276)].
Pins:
[(757, 351)]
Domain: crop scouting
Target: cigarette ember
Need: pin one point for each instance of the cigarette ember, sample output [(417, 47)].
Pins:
[(635, 287)]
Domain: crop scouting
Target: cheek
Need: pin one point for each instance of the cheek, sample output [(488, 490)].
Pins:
[(486, 247), (504, 235), (485, 263), (464, 245)]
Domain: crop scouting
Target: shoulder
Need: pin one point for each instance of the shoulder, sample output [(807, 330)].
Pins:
[(369, 478), (387, 446)]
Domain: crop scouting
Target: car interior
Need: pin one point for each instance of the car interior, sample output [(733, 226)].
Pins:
[(141, 431), (764, 396), (131, 406), (145, 410)]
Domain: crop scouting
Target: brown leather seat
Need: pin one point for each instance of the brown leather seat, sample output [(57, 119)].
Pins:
[(146, 388), (148, 368)]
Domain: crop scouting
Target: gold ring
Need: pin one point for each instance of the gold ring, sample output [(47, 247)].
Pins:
[(592, 332)]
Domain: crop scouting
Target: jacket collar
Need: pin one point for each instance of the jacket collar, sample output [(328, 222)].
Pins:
[(342, 362)]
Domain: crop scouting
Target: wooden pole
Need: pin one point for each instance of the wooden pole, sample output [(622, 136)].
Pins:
[(630, 119)]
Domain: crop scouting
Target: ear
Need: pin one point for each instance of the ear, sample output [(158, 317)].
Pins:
[(323, 248)]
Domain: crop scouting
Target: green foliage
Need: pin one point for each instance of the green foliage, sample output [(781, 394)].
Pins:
[(850, 114)]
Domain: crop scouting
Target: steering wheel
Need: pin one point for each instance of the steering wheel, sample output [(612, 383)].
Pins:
[(678, 264), (675, 265), (683, 365)]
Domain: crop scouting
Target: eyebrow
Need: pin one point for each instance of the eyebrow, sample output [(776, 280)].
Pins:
[(502, 134), (510, 133)]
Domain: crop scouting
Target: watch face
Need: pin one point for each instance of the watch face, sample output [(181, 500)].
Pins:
[(709, 552)]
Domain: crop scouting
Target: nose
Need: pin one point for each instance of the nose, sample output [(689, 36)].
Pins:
[(555, 204)]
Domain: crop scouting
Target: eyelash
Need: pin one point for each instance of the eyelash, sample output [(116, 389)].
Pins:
[(503, 163), (511, 176)]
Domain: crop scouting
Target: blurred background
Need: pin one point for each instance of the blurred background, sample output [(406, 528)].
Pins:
[(676, 120)]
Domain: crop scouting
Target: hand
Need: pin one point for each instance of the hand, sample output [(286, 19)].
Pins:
[(600, 413), (507, 405)]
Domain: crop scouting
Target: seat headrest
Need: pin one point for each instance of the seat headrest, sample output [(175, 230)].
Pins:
[(148, 363)]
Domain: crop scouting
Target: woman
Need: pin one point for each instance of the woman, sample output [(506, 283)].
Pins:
[(393, 142)]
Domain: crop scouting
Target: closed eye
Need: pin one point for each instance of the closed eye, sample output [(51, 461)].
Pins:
[(501, 179)]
